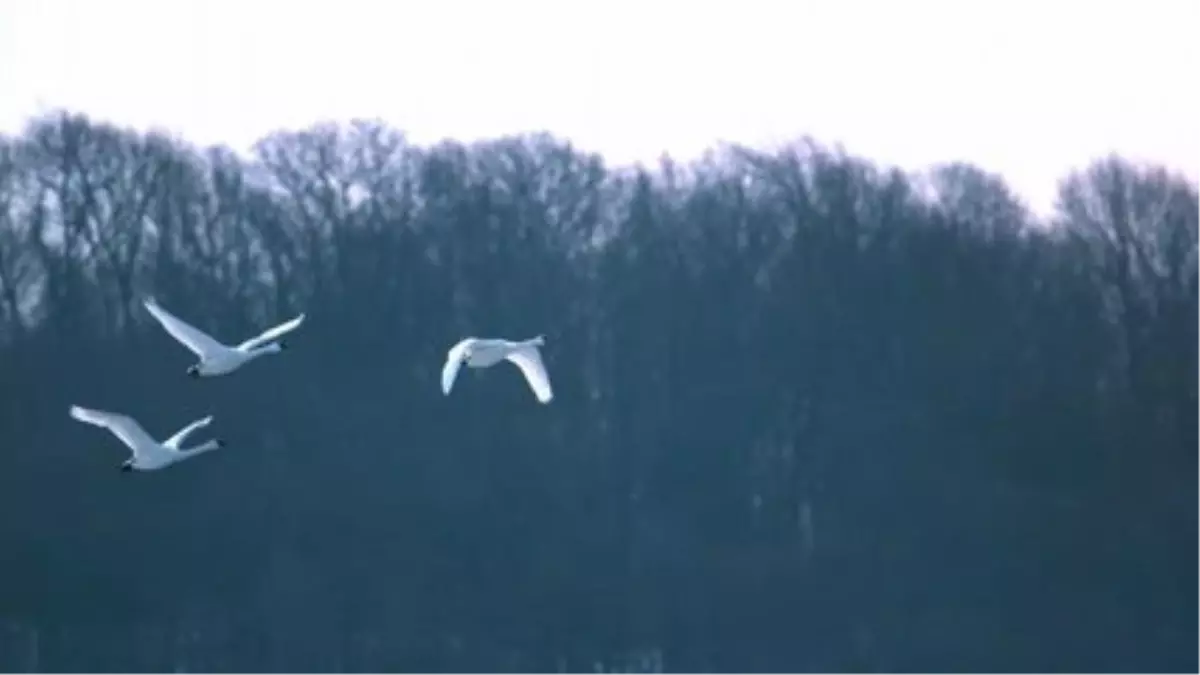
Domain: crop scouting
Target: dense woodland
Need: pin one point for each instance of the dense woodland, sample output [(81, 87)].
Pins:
[(811, 413)]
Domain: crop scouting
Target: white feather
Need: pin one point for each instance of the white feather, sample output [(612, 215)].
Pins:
[(147, 453), (217, 358), (486, 352)]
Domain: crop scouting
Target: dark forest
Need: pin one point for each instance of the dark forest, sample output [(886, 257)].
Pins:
[(811, 413)]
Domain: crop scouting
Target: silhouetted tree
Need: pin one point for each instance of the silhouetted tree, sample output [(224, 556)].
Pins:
[(810, 414)]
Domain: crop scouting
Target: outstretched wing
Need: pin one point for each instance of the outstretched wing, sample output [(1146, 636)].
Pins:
[(271, 334), (454, 359), (122, 426), (529, 360), (174, 441), (193, 338)]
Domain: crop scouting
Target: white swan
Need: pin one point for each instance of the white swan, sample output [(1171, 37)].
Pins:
[(485, 352), (217, 358), (148, 454)]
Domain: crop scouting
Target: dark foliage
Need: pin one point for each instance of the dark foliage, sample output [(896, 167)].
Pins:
[(810, 414)]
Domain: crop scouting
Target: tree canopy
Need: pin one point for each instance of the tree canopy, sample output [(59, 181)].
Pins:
[(811, 413)]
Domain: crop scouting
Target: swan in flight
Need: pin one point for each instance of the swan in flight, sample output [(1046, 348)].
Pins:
[(217, 358), (485, 352), (148, 454)]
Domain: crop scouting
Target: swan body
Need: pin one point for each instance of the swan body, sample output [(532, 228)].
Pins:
[(147, 453), (486, 352), (217, 358)]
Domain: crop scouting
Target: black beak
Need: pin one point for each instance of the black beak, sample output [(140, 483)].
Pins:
[(126, 467), (282, 344), (220, 443), (193, 371)]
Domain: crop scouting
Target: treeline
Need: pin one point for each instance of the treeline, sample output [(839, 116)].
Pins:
[(810, 414)]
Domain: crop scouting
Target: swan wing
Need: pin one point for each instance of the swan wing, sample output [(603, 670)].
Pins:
[(193, 338), (454, 359), (122, 426), (174, 441), (271, 334), (529, 360)]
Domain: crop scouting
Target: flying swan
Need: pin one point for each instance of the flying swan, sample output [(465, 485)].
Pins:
[(486, 352), (148, 454), (217, 358)]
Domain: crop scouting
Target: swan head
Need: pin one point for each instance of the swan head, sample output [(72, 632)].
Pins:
[(193, 371), (127, 466), (280, 345)]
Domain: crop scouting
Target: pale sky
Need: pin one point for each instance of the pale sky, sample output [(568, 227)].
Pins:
[(1024, 88)]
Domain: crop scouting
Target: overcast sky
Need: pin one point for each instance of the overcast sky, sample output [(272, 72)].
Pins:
[(1024, 88)]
